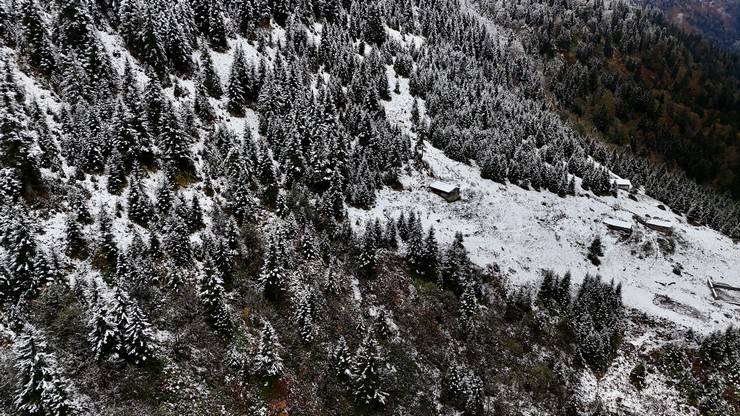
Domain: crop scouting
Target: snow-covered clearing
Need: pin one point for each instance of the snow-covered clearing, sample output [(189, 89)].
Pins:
[(526, 231)]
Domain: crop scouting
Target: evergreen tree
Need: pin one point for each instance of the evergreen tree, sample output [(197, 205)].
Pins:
[(75, 23), (595, 251), (137, 338), (596, 319), (208, 76), (223, 258), (116, 173), (468, 303), (140, 208), (294, 161), (340, 359), (281, 206), (102, 334), (7, 27), (368, 256), (261, 12), (548, 288), (272, 275), (391, 234), (164, 197), (15, 140), (75, 243), (415, 246), (281, 9), (402, 226), (237, 90), (132, 331), (42, 389), (367, 374), (308, 243), (493, 167), (562, 294), (246, 17), (211, 293), (78, 206), (202, 106), (332, 279), (242, 204), (461, 387), (10, 187), (22, 259), (430, 256), (266, 361), (36, 43), (374, 29), (209, 21), (304, 314), (106, 250), (456, 265), (332, 10), (129, 136), (176, 43), (268, 179), (383, 88), (334, 197), (154, 106), (174, 143), (149, 44), (176, 241), (195, 218), (129, 16)]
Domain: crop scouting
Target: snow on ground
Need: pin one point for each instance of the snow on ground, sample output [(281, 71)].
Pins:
[(621, 397), (408, 38), (658, 396), (119, 55), (526, 231)]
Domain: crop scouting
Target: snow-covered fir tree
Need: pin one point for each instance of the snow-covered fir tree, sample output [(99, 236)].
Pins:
[(42, 389), (367, 374), (211, 293), (267, 361)]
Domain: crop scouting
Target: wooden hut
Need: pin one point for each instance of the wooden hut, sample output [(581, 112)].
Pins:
[(623, 184), (664, 227), (656, 224), (449, 192), (618, 225)]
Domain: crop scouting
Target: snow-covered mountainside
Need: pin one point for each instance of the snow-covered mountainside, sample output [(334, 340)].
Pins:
[(223, 207), (525, 232)]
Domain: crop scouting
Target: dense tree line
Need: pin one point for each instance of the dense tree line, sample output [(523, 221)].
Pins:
[(504, 127), (638, 79)]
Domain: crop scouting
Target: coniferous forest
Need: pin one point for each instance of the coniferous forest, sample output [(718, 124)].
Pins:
[(178, 181)]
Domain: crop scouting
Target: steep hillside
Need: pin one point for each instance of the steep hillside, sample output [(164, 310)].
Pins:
[(221, 207), (631, 76), (717, 20)]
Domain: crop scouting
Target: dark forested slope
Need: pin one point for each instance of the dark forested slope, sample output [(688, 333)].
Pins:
[(637, 79), (716, 20)]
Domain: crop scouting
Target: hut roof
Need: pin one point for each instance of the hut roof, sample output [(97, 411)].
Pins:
[(659, 223), (443, 186), (622, 182), (611, 222)]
